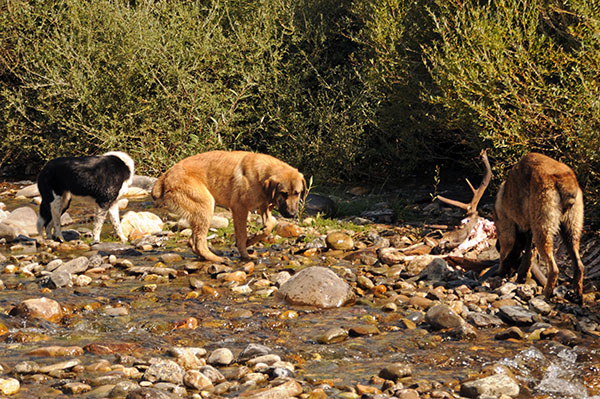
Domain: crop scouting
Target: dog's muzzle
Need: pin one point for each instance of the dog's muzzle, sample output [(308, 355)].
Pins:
[(285, 212)]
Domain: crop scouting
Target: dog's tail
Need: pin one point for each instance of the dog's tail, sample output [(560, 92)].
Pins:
[(568, 191), (158, 190)]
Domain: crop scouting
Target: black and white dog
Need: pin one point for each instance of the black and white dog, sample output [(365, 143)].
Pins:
[(105, 178)]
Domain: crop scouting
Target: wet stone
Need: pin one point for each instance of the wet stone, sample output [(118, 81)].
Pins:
[(339, 241), (27, 367), (56, 279), (9, 386), (333, 335), (220, 357), (464, 331), (266, 359), (517, 315), (166, 371), (493, 386), (170, 258), (540, 305), (76, 388), (279, 372), (189, 358), (407, 393), (149, 393), (43, 308), (53, 351), (396, 371), (442, 316), (214, 375), (287, 389), (287, 230), (122, 388), (197, 380), (175, 389), (363, 330), (74, 266), (60, 366), (483, 320), (420, 302), (317, 286), (510, 333), (437, 270)]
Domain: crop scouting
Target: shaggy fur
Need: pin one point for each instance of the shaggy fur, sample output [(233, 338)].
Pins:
[(104, 178), (241, 181), (540, 198)]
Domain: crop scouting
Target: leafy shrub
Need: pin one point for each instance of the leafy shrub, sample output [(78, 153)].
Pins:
[(165, 80)]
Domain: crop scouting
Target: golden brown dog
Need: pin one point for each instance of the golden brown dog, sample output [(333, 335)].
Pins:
[(241, 181)]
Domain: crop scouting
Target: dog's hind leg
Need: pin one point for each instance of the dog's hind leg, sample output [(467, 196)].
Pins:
[(113, 214), (98, 222), (197, 207)]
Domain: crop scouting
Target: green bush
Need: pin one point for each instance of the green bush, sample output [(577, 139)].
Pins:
[(513, 76), (522, 75), (165, 80), (345, 90)]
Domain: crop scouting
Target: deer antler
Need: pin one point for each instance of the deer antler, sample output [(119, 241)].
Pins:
[(471, 207)]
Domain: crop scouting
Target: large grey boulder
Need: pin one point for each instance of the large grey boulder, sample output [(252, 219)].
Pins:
[(317, 286)]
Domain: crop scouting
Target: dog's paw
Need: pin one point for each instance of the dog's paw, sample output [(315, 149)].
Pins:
[(574, 297)]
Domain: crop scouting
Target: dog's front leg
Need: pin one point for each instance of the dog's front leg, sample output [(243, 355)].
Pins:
[(56, 207), (113, 214), (268, 224), (240, 220)]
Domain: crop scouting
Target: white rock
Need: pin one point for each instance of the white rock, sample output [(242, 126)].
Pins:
[(144, 222), (24, 218), (28, 191), (9, 386)]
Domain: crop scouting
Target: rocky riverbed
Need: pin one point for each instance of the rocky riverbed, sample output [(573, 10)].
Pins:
[(361, 307)]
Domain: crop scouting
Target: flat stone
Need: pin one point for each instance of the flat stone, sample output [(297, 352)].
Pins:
[(60, 366), (165, 371), (517, 315), (396, 371), (493, 386)]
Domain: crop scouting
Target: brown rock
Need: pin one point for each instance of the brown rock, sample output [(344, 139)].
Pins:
[(420, 302), (53, 351), (339, 241), (42, 308), (286, 229), (284, 391), (109, 348)]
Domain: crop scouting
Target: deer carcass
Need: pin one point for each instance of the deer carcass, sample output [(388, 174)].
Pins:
[(460, 236)]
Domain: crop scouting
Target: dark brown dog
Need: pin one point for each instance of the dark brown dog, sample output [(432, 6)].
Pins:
[(241, 181)]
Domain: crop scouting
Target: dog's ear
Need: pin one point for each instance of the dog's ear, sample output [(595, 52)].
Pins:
[(271, 188), (304, 190)]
